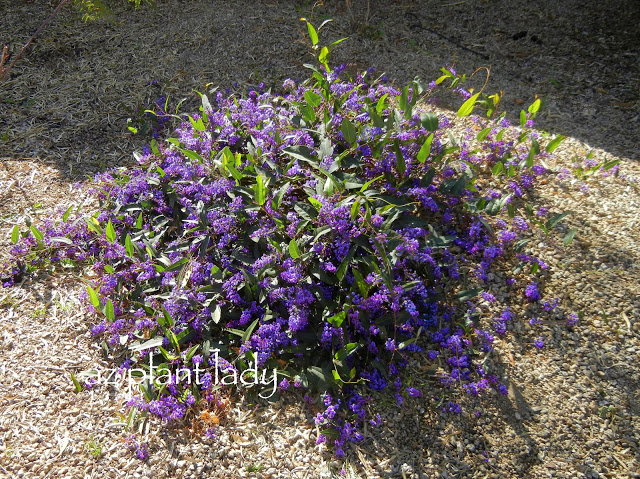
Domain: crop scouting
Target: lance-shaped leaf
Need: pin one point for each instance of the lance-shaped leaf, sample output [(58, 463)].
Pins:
[(15, 234), (425, 150), (93, 297), (294, 251), (467, 106), (348, 131), (110, 232), (259, 191), (429, 121)]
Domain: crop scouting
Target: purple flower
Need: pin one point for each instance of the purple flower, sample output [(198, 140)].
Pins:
[(520, 223), (284, 384), (452, 407), (211, 257), (531, 292), (413, 392), (488, 297)]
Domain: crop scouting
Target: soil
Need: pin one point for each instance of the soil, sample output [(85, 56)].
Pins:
[(68, 100)]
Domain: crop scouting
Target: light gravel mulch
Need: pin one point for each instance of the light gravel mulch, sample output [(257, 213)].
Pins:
[(574, 407)]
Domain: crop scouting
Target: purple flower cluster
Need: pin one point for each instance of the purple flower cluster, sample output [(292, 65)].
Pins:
[(312, 230)]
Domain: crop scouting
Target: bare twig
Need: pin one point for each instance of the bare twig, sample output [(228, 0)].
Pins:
[(5, 56), (5, 71), (457, 43)]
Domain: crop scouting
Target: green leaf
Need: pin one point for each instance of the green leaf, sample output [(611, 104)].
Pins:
[(93, 297), (65, 215), (172, 339), (197, 125), (497, 168), (333, 44), (234, 172), (61, 239), (315, 202), (308, 114), (337, 319), (363, 286), (109, 311), (349, 131), (467, 106), (492, 207), (259, 191), (523, 118), (166, 320), (568, 238), (37, 234), (330, 432), (530, 157), (553, 144), (554, 220), (152, 343), (93, 225), (110, 232), (76, 383), (535, 146), (355, 209), (534, 107), (206, 105), (294, 251), (466, 295), (427, 179), (380, 104), (15, 234), (303, 153), (404, 99), (429, 121), (312, 98), (128, 245), (342, 269), (139, 221), (425, 150), (277, 201), (216, 314), (184, 335), (484, 133), (247, 334), (442, 78), (313, 35), (400, 164), (369, 183), (322, 58), (154, 148), (192, 155)]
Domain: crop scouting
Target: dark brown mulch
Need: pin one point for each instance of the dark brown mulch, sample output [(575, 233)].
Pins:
[(68, 100)]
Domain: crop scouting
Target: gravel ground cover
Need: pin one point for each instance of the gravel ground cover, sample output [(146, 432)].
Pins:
[(573, 408)]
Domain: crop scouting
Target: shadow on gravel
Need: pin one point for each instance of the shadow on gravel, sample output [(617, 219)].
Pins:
[(68, 99)]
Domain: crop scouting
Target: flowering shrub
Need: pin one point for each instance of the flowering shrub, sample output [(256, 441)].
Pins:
[(327, 232)]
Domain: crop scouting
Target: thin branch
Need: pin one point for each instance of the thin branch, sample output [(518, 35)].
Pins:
[(5, 71)]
